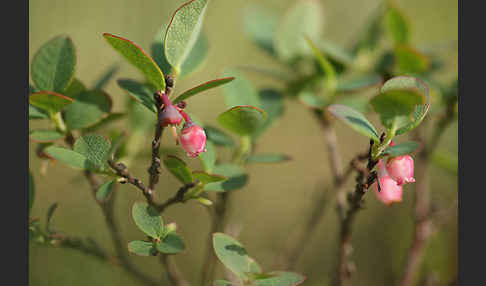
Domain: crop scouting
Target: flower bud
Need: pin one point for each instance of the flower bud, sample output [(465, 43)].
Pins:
[(169, 115), (400, 169), (193, 139)]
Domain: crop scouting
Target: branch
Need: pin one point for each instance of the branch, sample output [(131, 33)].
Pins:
[(175, 276), (423, 215), (177, 198), (121, 170)]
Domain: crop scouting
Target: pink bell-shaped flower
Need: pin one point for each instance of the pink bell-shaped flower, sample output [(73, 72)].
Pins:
[(390, 192), (193, 139), (169, 115), (400, 169)]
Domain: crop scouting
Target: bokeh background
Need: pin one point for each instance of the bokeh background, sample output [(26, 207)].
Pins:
[(277, 197)]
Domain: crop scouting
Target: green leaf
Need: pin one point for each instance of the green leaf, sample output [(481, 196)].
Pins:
[(237, 178), (183, 31), (396, 25), (105, 190), (89, 109), (95, 147), (401, 149), (37, 113), (75, 89), (254, 266), (232, 254), (260, 26), (325, 65), (281, 279), (31, 190), (357, 101), (218, 137), (111, 117), (141, 92), (337, 55), (241, 91), (311, 100), (140, 119), (43, 136), (148, 219), (53, 65), (138, 58), (202, 87), (303, 19), (208, 158), (403, 98), (69, 157), (268, 158), (142, 248), (272, 103), (369, 38), (197, 56), (355, 84), (206, 178), (50, 102), (50, 212), (103, 80), (242, 120), (410, 61), (171, 244), (178, 168), (355, 120), (222, 283)]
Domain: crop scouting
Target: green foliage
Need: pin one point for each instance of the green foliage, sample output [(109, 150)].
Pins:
[(355, 120), (260, 26), (197, 56), (268, 158), (208, 158), (94, 147), (202, 87), (222, 283), (396, 25), (88, 109), (37, 113), (401, 149), (303, 19), (237, 178), (312, 100), (49, 101), (138, 58), (54, 64), (358, 82), (103, 80), (410, 61), (105, 190), (280, 278), (325, 65), (232, 254), (403, 100), (241, 91), (218, 137), (142, 248), (242, 120), (143, 93), (272, 103), (43, 136), (183, 32), (179, 169), (206, 178), (171, 244), (148, 220), (69, 157)]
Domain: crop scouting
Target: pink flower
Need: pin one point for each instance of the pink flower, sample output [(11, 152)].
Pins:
[(193, 139), (400, 169), (390, 192), (169, 115)]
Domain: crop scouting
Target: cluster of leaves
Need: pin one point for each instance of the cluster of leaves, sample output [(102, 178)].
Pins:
[(234, 257), (330, 79)]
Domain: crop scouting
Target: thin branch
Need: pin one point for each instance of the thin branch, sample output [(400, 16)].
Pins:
[(177, 198), (423, 215), (175, 276), (121, 170)]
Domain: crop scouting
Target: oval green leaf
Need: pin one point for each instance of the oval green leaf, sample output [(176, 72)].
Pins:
[(142, 248), (141, 92), (218, 137), (202, 87), (268, 158), (208, 158), (138, 58), (171, 244), (281, 278), (54, 64), (183, 31), (241, 91), (237, 178), (197, 56), (89, 109), (43, 136), (272, 103), (206, 178), (232, 254), (260, 26), (355, 120), (243, 120), (49, 101), (69, 157), (178, 168), (397, 25), (37, 113), (105, 190), (147, 219), (401, 149), (94, 147)]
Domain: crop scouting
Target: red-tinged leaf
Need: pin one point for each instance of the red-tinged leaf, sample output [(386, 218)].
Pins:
[(203, 87)]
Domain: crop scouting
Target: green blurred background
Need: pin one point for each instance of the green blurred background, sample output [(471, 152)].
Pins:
[(277, 197)]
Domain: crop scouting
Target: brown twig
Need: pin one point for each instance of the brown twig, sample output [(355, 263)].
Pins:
[(423, 215), (177, 198), (173, 274), (121, 170)]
